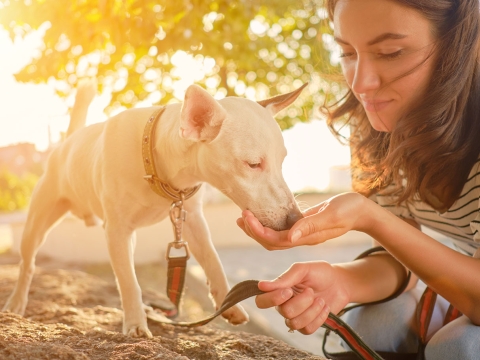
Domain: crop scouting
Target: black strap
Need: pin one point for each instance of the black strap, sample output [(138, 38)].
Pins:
[(360, 349), (354, 354), (397, 293)]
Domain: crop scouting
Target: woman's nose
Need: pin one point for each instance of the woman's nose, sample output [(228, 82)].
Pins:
[(366, 76)]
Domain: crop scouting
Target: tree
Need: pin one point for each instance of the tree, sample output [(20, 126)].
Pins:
[(134, 47)]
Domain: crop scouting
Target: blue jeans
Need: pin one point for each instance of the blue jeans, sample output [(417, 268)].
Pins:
[(391, 327)]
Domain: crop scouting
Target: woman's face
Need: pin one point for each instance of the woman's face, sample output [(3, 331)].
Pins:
[(382, 41)]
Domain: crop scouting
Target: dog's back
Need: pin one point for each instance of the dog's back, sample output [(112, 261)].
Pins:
[(70, 156)]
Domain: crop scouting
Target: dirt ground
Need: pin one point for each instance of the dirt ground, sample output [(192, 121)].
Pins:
[(75, 314)]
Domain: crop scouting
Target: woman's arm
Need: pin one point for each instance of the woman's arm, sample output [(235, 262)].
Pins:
[(373, 278), (413, 278), (449, 273)]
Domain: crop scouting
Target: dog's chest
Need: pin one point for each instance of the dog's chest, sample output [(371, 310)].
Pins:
[(150, 215)]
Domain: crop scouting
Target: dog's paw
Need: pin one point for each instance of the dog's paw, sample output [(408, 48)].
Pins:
[(14, 306), (236, 315), (138, 331)]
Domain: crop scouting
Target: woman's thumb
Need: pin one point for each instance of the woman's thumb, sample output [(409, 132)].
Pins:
[(307, 225), (287, 280), (302, 228)]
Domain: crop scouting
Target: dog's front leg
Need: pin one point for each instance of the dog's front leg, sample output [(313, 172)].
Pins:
[(121, 246), (197, 234)]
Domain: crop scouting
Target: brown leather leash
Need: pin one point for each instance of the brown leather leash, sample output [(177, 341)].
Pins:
[(238, 293), (249, 288), (360, 350), (334, 323)]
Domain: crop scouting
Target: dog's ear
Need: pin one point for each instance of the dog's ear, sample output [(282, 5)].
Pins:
[(202, 116), (280, 102)]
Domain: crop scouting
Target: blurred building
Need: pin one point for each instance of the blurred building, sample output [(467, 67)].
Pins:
[(340, 179), (22, 158)]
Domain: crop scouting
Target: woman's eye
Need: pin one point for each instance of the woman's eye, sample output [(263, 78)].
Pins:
[(346, 54), (254, 165), (391, 56)]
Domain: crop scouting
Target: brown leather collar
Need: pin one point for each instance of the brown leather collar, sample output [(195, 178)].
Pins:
[(160, 187)]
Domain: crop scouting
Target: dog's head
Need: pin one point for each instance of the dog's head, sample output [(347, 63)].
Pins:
[(241, 151)]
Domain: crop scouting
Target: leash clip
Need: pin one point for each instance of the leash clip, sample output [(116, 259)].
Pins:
[(178, 216), (177, 245)]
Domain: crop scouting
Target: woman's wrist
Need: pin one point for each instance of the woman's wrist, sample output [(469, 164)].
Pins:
[(372, 278), (371, 217), (344, 277)]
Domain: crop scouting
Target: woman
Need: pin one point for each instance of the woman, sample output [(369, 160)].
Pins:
[(413, 106)]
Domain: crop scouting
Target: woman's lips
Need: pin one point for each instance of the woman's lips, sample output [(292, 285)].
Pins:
[(374, 106)]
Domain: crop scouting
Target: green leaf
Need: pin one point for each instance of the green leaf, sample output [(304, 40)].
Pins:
[(269, 63)]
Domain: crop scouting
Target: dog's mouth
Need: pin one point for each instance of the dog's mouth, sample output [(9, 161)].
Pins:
[(282, 224), (292, 218)]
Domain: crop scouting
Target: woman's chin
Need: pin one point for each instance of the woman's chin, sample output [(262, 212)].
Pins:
[(378, 124)]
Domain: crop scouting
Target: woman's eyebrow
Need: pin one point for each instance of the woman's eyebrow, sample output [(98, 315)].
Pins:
[(378, 39), (386, 36)]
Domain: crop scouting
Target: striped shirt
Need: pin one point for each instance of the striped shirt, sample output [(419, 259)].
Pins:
[(460, 223)]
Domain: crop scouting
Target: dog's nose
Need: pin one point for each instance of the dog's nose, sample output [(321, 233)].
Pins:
[(292, 218)]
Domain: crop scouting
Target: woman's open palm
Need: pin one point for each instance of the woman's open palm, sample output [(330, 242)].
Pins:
[(327, 220)]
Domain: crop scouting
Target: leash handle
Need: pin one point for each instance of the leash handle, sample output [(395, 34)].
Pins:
[(238, 293), (249, 288)]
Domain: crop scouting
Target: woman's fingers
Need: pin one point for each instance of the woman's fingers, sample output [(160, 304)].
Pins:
[(320, 223), (305, 312), (296, 295), (318, 312), (307, 231), (241, 224), (273, 298), (315, 229), (280, 290), (251, 227), (292, 278), (297, 305), (268, 238)]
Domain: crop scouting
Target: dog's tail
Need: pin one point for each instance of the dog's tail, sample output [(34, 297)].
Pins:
[(85, 93)]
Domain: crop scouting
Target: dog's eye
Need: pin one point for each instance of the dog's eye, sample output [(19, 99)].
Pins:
[(254, 166)]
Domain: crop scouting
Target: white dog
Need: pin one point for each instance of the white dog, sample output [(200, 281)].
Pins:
[(98, 173)]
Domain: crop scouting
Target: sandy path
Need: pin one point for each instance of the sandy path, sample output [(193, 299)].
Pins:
[(75, 315)]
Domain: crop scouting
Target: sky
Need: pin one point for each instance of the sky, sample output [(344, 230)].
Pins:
[(31, 113)]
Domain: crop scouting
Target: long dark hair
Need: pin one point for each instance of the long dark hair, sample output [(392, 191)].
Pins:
[(433, 159)]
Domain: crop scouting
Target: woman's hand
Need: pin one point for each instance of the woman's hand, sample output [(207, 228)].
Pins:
[(327, 220), (305, 294)]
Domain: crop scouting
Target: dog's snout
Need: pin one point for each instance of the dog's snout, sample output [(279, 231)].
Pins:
[(293, 217)]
